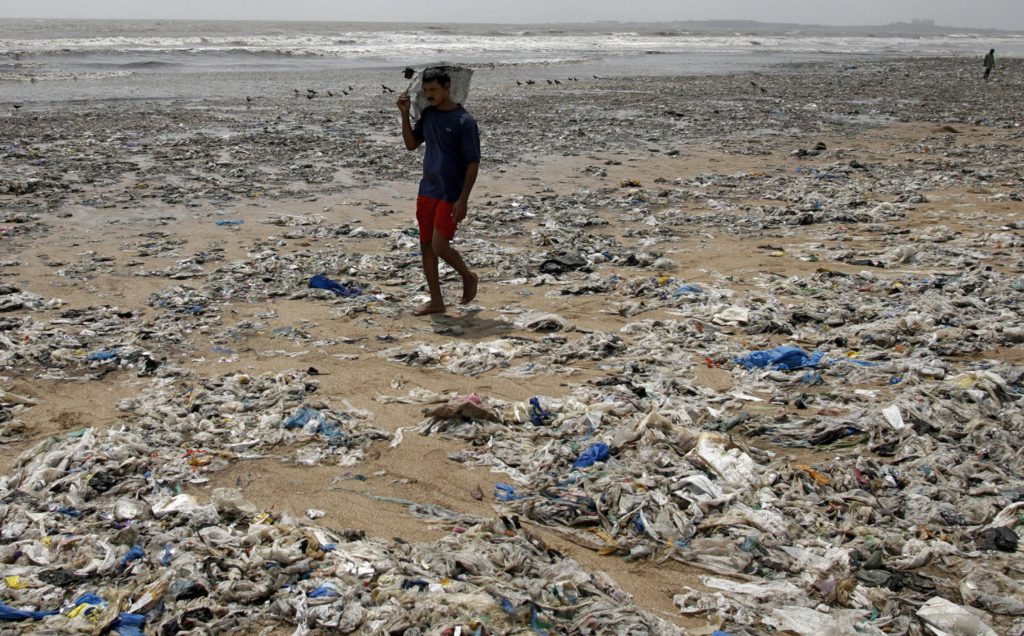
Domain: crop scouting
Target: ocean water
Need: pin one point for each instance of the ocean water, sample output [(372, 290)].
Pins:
[(91, 59)]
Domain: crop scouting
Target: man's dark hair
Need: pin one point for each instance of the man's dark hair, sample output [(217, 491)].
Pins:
[(437, 74)]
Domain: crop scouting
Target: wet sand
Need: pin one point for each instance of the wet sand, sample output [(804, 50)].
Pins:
[(88, 189)]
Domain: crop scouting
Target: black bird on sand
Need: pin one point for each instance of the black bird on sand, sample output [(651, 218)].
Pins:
[(530, 82), (387, 89), (518, 83), (16, 106)]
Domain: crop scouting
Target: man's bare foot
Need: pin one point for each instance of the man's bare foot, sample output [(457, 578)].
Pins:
[(469, 288), (429, 308)]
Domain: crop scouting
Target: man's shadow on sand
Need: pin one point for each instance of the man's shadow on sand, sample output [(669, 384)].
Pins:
[(469, 325)]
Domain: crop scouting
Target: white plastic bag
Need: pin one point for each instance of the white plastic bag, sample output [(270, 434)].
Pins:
[(949, 619), (461, 77)]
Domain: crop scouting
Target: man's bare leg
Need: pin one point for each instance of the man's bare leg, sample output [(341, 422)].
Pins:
[(442, 248), (430, 270), (469, 288)]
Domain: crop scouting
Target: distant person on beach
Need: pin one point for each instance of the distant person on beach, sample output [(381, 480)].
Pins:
[(450, 166), (989, 63)]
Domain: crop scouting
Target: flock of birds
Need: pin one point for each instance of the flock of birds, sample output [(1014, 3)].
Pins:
[(531, 82), (313, 93)]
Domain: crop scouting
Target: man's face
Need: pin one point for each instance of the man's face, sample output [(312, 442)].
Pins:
[(436, 93)]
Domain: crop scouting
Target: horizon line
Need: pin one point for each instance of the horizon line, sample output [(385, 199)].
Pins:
[(923, 24)]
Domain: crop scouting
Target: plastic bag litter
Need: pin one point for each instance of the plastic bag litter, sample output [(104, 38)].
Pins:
[(805, 621), (468, 407), (595, 453), (732, 466), (732, 316), (541, 321), (563, 263), (992, 591), (222, 568), (8, 613), (321, 281), (1002, 538), (783, 358), (753, 592), (944, 618)]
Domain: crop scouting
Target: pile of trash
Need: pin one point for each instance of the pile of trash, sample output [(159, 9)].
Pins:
[(632, 469), (645, 465), (212, 422), (81, 344), (99, 537)]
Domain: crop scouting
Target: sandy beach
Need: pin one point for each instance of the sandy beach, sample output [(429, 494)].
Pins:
[(817, 197)]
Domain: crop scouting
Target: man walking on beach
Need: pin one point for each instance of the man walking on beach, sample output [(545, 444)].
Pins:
[(450, 167), (989, 63)]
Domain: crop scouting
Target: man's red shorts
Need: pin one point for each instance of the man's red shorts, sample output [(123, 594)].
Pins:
[(434, 214)]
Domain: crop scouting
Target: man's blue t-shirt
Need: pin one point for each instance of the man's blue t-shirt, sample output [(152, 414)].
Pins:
[(453, 142)]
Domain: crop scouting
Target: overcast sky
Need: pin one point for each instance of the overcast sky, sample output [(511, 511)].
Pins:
[(1005, 14)]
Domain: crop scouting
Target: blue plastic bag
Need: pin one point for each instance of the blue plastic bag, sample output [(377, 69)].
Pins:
[(129, 624), (302, 417), (538, 415), (322, 282), (682, 290), (89, 599), (134, 554), (596, 453), (326, 426), (784, 358), (505, 492), (8, 613), (324, 591)]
